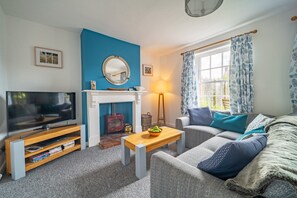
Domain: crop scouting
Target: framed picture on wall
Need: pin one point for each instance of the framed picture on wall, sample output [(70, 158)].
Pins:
[(147, 70), (48, 57)]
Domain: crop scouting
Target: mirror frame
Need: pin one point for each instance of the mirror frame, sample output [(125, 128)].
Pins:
[(105, 65)]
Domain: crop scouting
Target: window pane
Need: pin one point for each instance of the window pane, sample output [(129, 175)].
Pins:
[(216, 74), (205, 62), (206, 89), (226, 58), (216, 60), (203, 101), (205, 75), (226, 73), (218, 88), (216, 103)]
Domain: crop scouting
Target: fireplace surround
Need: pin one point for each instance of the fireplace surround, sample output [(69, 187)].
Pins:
[(97, 97)]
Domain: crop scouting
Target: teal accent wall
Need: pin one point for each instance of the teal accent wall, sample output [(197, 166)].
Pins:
[(95, 48)]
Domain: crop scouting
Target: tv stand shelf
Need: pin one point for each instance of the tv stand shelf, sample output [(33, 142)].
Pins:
[(17, 158)]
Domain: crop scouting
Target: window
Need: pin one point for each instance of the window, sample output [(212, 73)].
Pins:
[(213, 78)]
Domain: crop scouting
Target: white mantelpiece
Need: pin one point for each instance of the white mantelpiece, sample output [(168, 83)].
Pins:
[(97, 97)]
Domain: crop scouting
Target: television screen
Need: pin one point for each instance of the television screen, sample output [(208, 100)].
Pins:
[(33, 109)]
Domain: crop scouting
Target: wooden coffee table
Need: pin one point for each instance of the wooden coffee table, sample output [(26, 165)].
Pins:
[(142, 143)]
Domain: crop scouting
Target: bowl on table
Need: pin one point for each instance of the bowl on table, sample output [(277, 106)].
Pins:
[(153, 132)]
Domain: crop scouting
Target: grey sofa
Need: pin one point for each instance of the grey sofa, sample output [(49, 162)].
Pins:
[(179, 177)]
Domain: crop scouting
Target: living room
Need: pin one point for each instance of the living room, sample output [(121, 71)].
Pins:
[(150, 37)]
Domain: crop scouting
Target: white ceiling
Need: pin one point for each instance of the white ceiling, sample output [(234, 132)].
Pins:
[(158, 26)]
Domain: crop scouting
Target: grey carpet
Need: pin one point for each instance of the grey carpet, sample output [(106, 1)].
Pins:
[(89, 173)]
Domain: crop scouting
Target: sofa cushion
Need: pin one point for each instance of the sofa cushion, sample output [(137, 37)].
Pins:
[(259, 121), (215, 143), (251, 133), (229, 135), (236, 123), (229, 159), (195, 154), (200, 116), (196, 134), (203, 151)]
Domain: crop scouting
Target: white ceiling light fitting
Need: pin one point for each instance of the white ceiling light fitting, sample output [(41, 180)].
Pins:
[(199, 8)]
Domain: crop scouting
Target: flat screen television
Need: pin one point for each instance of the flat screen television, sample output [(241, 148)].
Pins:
[(38, 109)]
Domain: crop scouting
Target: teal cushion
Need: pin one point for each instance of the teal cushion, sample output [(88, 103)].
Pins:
[(259, 130), (236, 123)]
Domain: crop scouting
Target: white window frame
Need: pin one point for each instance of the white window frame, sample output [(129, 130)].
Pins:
[(198, 57)]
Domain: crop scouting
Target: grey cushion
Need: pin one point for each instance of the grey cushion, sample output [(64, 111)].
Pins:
[(214, 143), (195, 155), (195, 135), (203, 151), (229, 135)]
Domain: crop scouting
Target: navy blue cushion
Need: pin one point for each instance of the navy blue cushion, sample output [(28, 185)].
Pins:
[(236, 123), (229, 159), (200, 116)]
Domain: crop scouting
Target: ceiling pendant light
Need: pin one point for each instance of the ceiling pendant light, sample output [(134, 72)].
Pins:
[(199, 8)]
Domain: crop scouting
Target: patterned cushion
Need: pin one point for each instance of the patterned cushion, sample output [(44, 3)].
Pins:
[(200, 116), (259, 121), (229, 159)]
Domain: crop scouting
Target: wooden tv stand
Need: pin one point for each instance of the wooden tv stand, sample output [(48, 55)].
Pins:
[(17, 163)]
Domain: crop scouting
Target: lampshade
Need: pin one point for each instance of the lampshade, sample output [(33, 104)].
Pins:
[(161, 86), (198, 8)]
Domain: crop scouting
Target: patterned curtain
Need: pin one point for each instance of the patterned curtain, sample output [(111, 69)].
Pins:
[(241, 74), (188, 84), (293, 77)]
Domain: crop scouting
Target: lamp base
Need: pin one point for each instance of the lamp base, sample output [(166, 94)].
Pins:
[(161, 100)]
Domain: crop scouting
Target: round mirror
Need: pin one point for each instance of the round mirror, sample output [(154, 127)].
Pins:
[(116, 70)]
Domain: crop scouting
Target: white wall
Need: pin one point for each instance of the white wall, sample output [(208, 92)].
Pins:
[(150, 99), (22, 36), (3, 73), (272, 50)]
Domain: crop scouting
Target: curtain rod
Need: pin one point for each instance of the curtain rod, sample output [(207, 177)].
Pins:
[(218, 42), (294, 18)]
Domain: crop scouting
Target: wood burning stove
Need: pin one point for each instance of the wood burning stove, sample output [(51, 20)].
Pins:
[(114, 123)]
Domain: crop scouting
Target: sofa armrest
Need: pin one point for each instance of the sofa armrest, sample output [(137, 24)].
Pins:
[(171, 177), (182, 122)]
